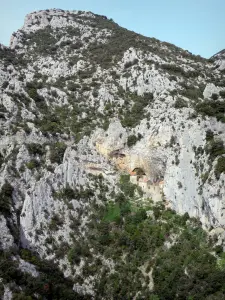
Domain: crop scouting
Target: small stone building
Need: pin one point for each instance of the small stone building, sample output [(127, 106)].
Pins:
[(153, 189)]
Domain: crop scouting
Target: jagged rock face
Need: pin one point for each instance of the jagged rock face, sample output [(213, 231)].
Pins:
[(219, 59), (83, 97)]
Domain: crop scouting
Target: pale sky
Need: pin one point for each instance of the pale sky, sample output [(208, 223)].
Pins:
[(194, 25)]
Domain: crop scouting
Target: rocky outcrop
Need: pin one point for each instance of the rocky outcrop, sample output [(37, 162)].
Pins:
[(84, 101), (219, 59), (168, 137), (176, 165), (6, 238)]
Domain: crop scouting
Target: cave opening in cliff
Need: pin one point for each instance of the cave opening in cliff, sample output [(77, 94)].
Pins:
[(138, 172), (116, 154)]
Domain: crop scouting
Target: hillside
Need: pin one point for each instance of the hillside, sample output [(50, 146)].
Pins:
[(219, 59), (112, 157)]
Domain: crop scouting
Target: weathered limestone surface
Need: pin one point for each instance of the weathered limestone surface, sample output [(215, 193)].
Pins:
[(169, 138)]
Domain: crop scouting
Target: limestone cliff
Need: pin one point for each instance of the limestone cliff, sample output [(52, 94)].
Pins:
[(84, 101), (219, 60)]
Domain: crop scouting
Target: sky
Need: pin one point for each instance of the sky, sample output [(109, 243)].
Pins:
[(194, 25)]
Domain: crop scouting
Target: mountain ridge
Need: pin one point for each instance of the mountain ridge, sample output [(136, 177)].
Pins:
[(91, 112), (39, 12)]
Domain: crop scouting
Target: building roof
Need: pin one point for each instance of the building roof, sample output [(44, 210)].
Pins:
[(133, 173)]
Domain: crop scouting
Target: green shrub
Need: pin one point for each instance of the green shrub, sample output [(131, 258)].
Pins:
[(130, 63), (43, 39), (69, 193), (95, 93), (2, 108), (180, 103), (32, 92), (56, 152), (215, 148), (112, 213), (74, 255), (33, 164), (76, 252), (220, 167), (132, 139), (77, 45), (214, 96), (6, 198), (211, 108), (124, 179), (173, 77), (172, 140), (171, 68), (105, 124), (55, 223), (49, 127), (1, 159), (126, 186), (218, 249), (21, 296), (209, 135), (35, 149), (179, 184), (26, 128), (5, 84), (191, 92), (72, 86), (222, 94)]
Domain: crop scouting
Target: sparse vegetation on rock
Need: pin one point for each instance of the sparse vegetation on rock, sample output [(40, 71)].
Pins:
[(112, 157)]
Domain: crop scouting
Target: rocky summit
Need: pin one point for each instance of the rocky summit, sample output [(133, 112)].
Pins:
[(112, 158)]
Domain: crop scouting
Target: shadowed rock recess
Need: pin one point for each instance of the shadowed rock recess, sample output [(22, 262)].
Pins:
[(112, 164)]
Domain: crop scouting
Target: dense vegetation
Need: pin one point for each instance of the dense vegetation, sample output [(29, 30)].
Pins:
[(153, 253), (212, 108), (6, 198), (133, 248), (49, 282)]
